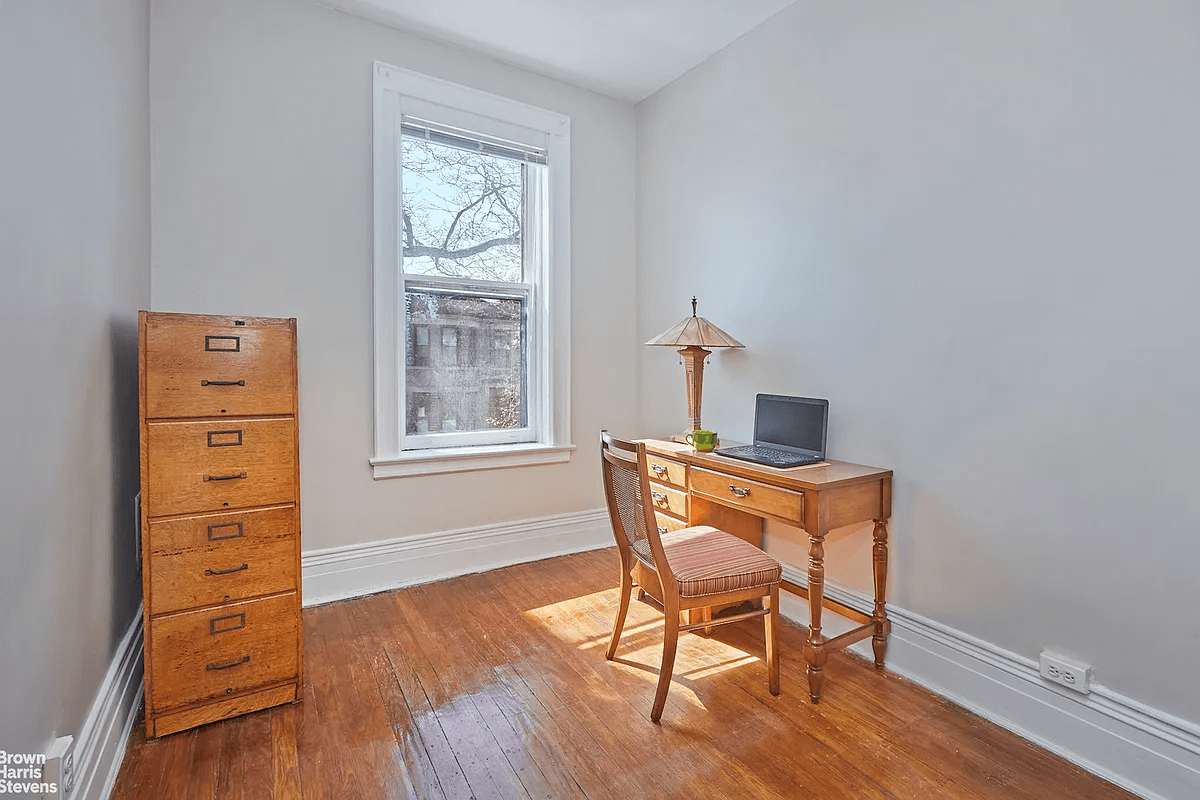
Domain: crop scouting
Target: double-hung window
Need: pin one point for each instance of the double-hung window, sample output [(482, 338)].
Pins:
[(472, 279)]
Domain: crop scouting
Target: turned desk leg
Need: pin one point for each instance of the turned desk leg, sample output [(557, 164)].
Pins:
[(814, 648), (883, 626)]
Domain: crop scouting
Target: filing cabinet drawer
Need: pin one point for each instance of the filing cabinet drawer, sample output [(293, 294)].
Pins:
[(204, 466), (211, 367), (781, 503), (222, 651), (667, 471), (218, 558), (672, 501), (211, 532), (667, 523)]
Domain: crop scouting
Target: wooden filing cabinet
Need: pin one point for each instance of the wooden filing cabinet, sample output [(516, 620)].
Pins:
[(220, 517)]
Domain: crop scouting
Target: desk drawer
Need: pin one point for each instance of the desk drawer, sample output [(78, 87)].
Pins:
[(667, 523), (672, 501), (204, 655), (218, 558), (751, 495), (209, 367), (211, 466), (667, 471)]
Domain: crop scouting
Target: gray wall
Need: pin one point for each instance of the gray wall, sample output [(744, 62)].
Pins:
[(261, 175), (971, 226), (74, 269)]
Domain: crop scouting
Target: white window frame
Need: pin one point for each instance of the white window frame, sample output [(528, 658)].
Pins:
[(396, 92)]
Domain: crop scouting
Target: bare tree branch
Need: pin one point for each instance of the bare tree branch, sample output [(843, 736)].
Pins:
[(457, 217), (416, 251), (408, 231)]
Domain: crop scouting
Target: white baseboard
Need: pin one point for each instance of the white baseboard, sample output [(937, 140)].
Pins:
[(1141, 749), (338, 573), (105, 733)]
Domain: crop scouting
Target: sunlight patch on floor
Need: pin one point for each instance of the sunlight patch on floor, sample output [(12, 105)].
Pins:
[(639, 655)]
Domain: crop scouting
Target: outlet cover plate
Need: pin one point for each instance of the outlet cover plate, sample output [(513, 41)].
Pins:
[(1065, 671)]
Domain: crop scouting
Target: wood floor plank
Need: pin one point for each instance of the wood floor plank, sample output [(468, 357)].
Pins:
[(495, 686), (417, 775), (488, 771), (285, 756), (205, 767), (320, 723), (469, 654), (231, 776), (370, 739), (408, 665), (258, 763)]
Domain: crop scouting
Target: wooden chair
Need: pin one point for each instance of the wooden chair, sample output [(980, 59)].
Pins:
[(697, 567)]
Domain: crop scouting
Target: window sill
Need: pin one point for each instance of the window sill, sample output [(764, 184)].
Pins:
[(469, 459)]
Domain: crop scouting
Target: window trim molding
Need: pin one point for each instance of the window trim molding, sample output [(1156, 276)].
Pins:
[(390, 84), (468, 459)]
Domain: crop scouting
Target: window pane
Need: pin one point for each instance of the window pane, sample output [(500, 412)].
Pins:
[(454, 384), (463, 212)]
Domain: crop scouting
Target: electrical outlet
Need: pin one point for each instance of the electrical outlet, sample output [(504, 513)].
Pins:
[(59, 769), (1066, 671)]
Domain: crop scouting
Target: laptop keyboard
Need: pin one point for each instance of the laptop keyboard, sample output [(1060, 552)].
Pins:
[(770, 455)]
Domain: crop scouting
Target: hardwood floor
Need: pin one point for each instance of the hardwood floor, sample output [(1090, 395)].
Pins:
[(495, 686)]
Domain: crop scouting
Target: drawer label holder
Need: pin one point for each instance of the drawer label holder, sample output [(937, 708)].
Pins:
[(223, 344), (212, 537), (225, 438)]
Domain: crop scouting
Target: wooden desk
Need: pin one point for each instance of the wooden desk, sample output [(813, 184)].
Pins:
[(694, 488)]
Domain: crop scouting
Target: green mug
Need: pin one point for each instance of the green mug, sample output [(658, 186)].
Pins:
[(702, 440)]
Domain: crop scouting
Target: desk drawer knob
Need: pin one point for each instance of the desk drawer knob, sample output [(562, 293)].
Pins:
[(658, 497), (738, 491), (659, 469)]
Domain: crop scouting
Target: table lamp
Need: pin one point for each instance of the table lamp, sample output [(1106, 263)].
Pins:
[(692, 336)]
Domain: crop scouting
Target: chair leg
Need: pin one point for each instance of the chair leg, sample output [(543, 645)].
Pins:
[(670, 640), (622, 609), (771, 623)]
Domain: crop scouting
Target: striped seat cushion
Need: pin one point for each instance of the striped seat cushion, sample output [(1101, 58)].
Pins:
[(710, 561)]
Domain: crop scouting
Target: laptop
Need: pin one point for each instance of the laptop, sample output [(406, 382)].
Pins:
[(788, 432)]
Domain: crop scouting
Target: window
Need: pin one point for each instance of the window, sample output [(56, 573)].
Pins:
[(472, 279)]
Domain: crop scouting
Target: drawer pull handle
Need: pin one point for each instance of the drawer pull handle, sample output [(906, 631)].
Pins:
[(222, 383), (224, 477), (227, 571), (243, 660), (738, 491), (659, 469), (662, 531), (658, 497), (237, 535), (227, 623)]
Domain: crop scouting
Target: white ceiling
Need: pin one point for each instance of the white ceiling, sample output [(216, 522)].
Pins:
[(627, 49)]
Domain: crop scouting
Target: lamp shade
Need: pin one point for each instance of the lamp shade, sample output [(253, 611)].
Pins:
[(695, 331), (693, 337)]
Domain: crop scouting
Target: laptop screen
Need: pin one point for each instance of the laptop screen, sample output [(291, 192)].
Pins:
[(792, 422)]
